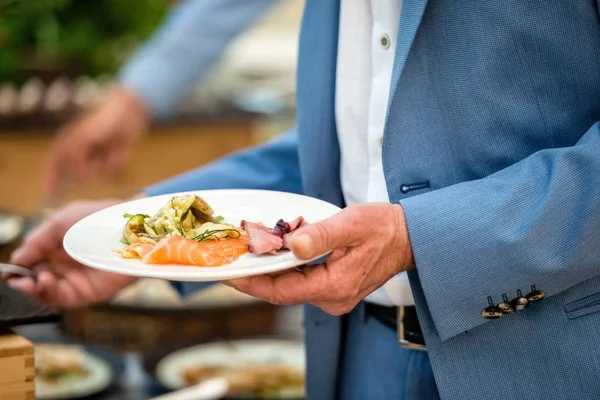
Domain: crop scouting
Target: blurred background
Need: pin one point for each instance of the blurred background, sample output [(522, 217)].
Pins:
[(61, 58)]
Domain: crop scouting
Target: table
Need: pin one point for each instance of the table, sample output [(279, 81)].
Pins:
[(132, 381)]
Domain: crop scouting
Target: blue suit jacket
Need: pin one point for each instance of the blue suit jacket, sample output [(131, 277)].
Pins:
[(492, 146)]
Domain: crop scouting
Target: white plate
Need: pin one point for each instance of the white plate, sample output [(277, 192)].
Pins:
[(98, 379), (170, 369), (93, 240)]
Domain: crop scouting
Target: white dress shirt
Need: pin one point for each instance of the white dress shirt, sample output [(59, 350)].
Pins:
[(367, 41)]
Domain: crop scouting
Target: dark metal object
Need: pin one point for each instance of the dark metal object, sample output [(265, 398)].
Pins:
[(17, 308), (11, 269)]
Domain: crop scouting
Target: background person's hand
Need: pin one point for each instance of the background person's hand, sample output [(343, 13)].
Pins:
[(63, 282), (97, 143), (370, 245)]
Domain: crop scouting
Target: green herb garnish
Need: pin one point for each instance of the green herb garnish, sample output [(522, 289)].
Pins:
[(129, 216), (212, 234)]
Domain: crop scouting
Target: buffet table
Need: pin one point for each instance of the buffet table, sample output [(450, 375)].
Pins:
[(132, 370)]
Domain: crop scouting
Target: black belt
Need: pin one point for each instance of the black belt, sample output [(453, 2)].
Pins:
[(410, 331)]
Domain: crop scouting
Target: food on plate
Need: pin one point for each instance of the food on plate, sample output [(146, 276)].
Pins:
[(179, 250), (262, 380), (54, 362), (187, 216), (185, 231), (264, 240)]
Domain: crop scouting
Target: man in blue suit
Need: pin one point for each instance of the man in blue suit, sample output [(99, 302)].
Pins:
[(490, 141)]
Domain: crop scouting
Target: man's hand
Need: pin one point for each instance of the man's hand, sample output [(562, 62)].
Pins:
[(369, 245), (97, 143), (63, 282)]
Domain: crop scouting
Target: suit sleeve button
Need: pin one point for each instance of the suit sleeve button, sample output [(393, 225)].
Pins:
[(535, 295), (505, 306), (491, 312), (520, 303)]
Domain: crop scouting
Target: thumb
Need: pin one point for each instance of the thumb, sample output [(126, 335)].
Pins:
[(315, 240)]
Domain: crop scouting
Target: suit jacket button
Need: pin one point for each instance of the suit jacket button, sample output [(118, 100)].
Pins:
[(520, 303), (491, 312), (505, 306), (535, 295)]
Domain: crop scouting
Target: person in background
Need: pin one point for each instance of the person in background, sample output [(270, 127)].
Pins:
[(182, 50), (462, 140)]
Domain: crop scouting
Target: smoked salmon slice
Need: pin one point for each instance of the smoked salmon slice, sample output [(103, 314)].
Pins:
[(136, 250), (179, 250)]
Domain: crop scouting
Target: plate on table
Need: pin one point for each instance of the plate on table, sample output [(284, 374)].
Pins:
[(254, 368), (65, 371), (94, 240)]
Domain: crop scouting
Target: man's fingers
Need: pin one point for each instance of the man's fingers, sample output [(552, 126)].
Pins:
[(302, 244), (257, 286), (315, 240), (335, 308), (293, 287)]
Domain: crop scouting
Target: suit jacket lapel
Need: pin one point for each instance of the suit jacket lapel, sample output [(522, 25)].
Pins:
[(410, 19), (315, 92)]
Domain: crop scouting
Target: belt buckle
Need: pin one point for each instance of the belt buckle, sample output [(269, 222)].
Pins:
[(402, 339)]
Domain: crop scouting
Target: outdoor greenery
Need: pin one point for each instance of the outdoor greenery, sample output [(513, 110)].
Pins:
[(46, 37)]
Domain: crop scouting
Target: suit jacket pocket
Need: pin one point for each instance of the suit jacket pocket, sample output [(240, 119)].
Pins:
[(584, 306)]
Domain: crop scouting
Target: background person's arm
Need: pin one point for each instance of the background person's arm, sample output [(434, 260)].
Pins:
[(187, 44), (190, 40)]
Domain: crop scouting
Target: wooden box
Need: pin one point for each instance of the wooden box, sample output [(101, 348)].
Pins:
[(17, 367)]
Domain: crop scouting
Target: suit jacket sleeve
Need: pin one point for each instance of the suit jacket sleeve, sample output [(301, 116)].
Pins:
[(536, 222), (183, 49), (271, 166)]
